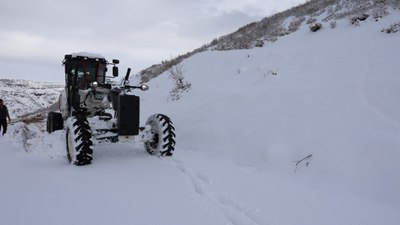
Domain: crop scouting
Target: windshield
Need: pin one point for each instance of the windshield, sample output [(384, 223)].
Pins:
[(88, 71)]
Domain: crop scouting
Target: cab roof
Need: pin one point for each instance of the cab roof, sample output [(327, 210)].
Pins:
[(85, 56)]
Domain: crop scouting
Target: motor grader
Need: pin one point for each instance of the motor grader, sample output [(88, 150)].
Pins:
[(93, 110)]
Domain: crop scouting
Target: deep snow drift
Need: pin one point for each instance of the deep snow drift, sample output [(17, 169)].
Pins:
[(248, 117)]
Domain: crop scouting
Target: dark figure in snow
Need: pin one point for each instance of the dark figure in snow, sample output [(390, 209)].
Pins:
[(3, 117)]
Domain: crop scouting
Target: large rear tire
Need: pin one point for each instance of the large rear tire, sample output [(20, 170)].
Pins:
[(79, 141), (163, 141), (54, 122)]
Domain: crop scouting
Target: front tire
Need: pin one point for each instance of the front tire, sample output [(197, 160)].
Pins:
[(79, 143), (163, 141)]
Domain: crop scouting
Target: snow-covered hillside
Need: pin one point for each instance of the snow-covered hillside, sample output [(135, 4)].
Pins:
[(315, 13), (304, 130), (333, 94), (24, 97)]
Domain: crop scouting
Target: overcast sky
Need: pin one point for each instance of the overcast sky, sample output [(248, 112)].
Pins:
[(36, 34)]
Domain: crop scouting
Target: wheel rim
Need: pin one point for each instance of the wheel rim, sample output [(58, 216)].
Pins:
[(154, 143)]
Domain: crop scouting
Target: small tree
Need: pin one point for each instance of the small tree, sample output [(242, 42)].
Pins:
[(295, 24), (181, 85), (311, 20), (392, 28), (259, 43), (333, 24)]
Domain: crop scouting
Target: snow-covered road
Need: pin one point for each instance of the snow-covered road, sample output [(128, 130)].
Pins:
[(126, 185)]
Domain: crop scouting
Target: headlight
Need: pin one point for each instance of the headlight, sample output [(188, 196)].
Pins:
[(95, 84), (144, 87)]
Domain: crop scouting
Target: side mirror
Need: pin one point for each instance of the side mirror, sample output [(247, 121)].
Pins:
[(115, 61), (115, 71)]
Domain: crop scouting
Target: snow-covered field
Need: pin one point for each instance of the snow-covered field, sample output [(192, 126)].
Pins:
[(249, 116), (23, 97)]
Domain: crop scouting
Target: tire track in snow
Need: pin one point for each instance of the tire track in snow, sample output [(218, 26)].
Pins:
[(234, 212), (363, 80)]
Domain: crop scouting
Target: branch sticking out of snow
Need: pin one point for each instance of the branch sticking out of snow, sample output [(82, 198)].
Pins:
[(305, 159)]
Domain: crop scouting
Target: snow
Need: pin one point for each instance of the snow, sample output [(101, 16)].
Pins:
[(240, 130), (22, 97), (87, 54)]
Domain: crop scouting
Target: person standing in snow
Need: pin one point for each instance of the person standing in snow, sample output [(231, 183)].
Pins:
[(3, 116)]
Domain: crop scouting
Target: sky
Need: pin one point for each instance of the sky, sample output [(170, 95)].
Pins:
[(35, 35)]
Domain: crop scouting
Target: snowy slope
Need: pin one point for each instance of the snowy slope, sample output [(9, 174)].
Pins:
[(334, 96), (240, 129)]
